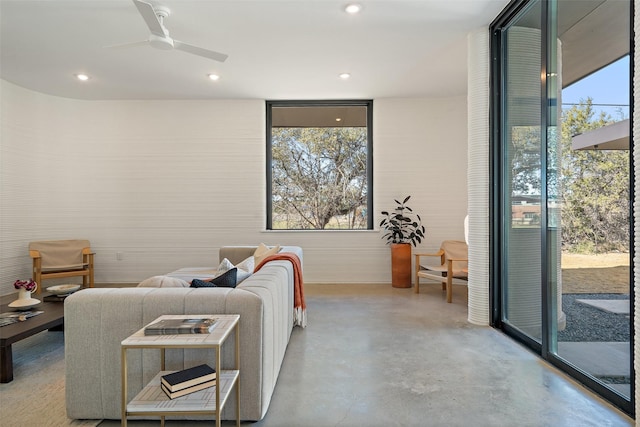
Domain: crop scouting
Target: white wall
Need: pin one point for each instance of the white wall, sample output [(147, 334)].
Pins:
[(166, 183)]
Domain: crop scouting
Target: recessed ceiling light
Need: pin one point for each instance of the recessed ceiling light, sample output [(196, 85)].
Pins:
[(345, 76), (82, 77), (353, 8), (214, 77), (338, 119)]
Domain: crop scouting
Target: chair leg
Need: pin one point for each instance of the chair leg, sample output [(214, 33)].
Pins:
[(449, 280), (91, 280), (417, 270), (37, 275)]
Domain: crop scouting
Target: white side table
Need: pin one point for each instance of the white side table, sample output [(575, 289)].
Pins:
[(153, 401)]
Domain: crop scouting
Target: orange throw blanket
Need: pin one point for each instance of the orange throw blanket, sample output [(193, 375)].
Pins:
[(299, 306)]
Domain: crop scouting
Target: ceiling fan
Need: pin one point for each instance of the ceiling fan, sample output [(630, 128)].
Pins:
[(159, 37)]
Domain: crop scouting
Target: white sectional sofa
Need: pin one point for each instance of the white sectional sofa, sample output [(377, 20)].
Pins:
[(98, 319)]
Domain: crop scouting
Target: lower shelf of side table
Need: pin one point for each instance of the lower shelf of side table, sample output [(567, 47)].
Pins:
[(153, 401)]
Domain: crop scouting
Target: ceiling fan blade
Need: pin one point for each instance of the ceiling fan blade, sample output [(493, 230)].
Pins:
[(150, 17), (127, 45), (216, 56)]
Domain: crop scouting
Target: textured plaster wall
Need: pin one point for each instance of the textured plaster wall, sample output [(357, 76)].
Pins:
[(166, 183)]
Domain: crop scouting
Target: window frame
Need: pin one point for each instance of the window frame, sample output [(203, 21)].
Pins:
[(269, 157)]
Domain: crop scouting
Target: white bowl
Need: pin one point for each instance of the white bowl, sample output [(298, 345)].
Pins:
[(63, 289)]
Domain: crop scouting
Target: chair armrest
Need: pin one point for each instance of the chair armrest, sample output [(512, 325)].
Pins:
[(34, 254), (439, 253), (87, 256)]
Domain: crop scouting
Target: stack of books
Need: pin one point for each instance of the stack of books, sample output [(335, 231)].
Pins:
[(187, 381), (181, 326)]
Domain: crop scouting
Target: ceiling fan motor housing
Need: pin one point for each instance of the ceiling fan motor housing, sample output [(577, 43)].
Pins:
[(162, 12), (164, 43)]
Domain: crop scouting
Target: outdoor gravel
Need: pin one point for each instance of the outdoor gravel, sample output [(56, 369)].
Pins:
[(587, 323)]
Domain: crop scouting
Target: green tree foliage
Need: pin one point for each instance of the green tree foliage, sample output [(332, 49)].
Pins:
[(319, 178), (594, 188)]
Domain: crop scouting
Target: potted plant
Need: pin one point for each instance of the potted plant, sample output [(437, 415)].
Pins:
[(402, 229)]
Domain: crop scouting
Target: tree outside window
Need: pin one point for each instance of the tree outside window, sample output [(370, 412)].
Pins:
[(319, 165)]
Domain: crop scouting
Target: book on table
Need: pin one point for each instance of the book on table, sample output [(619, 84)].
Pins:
[(188, 390), (179, 380), (181, 326)]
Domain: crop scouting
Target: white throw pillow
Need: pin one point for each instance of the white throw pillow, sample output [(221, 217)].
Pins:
[(264, 251), (163, 282), (245, 268), (248, 264), (224, 266)]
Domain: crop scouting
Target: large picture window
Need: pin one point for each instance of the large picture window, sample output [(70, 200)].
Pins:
[(319, 165)]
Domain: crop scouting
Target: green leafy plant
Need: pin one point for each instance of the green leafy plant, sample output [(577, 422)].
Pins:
[(400, 226)]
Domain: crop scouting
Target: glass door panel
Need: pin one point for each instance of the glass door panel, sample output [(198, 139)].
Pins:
[(522, 173), (589, 257)]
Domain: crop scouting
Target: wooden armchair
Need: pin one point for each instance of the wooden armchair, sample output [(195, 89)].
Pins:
[(453, 265), (62, 258)]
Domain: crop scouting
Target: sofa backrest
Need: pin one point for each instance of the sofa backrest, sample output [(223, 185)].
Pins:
[(237, 254)]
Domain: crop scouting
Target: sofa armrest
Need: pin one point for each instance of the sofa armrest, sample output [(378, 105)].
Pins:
[(98, 319)]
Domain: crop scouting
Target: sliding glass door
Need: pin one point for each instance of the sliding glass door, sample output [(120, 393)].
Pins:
[(555, 202)]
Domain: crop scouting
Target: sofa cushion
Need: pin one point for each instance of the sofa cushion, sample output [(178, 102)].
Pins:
[(264, 251), (227, 279), (248, 264), (163, 282)]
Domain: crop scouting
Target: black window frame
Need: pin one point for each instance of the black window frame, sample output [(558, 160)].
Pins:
[(319, 103)]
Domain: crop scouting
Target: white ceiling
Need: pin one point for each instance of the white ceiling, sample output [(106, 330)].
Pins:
[(277, 49)]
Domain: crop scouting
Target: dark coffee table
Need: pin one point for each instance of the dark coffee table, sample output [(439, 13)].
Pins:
[(52, 318)]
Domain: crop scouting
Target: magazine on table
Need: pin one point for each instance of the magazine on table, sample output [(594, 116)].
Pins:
[(11, 317), (181, 326)]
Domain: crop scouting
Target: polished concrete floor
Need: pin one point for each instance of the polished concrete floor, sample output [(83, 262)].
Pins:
[(373, 355)]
